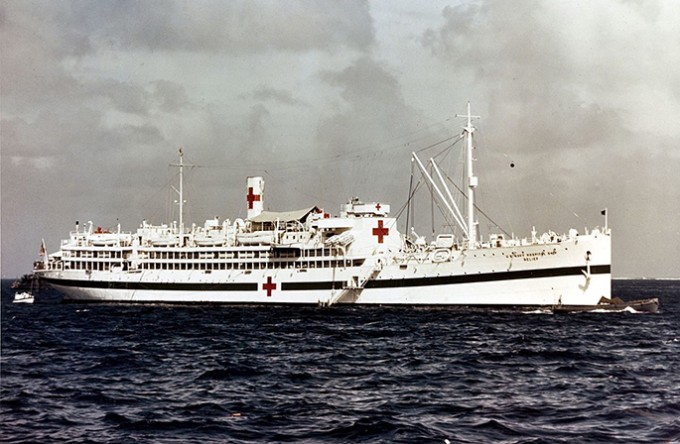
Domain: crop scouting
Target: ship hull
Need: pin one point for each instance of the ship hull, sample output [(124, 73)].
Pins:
[(533, 292), (526, 276)]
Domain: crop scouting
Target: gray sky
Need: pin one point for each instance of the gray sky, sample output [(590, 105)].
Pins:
[(327, 99)]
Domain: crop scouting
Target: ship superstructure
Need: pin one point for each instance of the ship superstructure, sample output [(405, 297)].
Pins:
[(309, 256)]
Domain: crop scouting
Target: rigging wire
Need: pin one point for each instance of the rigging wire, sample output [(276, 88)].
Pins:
[(356, 154), (476, 206), (556, 199), (443, 154)]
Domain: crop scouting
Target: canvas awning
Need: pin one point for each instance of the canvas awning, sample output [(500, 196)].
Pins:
[(286, 216)]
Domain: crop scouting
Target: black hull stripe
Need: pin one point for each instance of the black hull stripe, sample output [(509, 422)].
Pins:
[(487, 277), (328, 285), (154, 285), (322, 285)]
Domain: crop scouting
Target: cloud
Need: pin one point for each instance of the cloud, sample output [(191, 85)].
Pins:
[(265, 93), (580, 95), (236, 27), (372, 110), (594, 64)]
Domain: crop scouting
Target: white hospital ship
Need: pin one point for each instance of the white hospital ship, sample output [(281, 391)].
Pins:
[(311, 257)]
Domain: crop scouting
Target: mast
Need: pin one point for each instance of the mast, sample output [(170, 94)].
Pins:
[(471, 180), (180, 192)]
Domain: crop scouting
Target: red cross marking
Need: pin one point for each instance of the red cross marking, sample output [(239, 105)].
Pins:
[(380, 231), (269, 286), (377, 207), (252, 198)]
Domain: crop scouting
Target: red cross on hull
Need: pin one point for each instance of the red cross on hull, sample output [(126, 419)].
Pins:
[(269, 286)]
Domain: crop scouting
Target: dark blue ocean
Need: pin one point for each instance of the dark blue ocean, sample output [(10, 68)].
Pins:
[(81, 373)]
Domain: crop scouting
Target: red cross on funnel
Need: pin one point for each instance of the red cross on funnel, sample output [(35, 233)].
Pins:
[(252, 197)]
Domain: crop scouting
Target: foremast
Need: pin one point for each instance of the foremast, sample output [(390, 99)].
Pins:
[(180, 192)]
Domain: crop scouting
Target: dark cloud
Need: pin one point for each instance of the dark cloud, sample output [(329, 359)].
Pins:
[(362, 133), (169, 96), (240, 27), (532, 85), (266, 93)]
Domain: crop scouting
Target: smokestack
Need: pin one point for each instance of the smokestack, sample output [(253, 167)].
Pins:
[(254, 196)]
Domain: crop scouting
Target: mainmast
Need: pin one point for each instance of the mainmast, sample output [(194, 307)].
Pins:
[(471, 180)]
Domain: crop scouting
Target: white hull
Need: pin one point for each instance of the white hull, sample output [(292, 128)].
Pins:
[(521, 293), (532, 275)]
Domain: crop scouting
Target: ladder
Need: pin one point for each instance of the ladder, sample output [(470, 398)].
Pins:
[(358, 283)]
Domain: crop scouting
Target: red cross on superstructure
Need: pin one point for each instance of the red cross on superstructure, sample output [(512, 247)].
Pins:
[(380, 231), (269, 286), (378, 206), (252, 198)]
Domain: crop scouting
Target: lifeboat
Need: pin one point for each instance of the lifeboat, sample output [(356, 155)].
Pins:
[(164, 242), (103, 239), (210, 241), (255, 238)]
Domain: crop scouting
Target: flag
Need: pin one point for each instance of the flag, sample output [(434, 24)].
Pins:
[(43, 250), (603, 212)]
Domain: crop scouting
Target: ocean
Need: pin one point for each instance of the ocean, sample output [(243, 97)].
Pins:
[(100, 373)]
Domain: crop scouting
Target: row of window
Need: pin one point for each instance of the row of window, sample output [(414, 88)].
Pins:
[(87, 254), (300, 264), (193, 255)]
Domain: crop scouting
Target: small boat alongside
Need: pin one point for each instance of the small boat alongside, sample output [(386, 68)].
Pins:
[(24, 297), (613, 305)]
